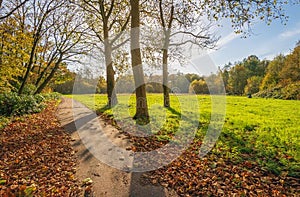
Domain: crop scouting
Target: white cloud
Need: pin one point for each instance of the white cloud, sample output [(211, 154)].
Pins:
[(223, 42), (271, 55), (227, 39), (290, 33), (268, 56)]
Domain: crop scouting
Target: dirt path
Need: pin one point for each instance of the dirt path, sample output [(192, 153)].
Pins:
[(107, 181)]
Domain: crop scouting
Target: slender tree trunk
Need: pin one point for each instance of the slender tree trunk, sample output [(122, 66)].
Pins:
[(28, 69), (165, 68), (2, 49), (50, 76), (42, 74), (40, 77), (165, 79), (32, 55), (110, 73), (138, 73), (167, 35)]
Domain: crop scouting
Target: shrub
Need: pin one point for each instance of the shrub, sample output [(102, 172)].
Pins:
[(29, 89), (292, 91), (149, 88), (289, 92), (51, 96), (11, 104), (3, 121)]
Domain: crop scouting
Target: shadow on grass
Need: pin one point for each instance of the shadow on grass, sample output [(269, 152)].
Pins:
[(104, 109), (174, 111)]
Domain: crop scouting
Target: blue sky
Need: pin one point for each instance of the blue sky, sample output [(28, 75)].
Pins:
[(265, 42)]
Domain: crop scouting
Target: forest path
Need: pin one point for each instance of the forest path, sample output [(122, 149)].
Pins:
[(79, 122)]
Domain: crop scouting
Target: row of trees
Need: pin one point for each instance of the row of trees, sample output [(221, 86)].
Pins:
[(37, 41), (178, 83), (249, 76), (245, 76), (39, 36), (253, 75)]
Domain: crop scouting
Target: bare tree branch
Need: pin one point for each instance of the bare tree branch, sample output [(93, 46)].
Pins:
[(111, 8), (190, 33), (122, 30), (13, 10), (121, 44)]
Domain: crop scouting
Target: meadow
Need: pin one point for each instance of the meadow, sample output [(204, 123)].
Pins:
[(263, 131)]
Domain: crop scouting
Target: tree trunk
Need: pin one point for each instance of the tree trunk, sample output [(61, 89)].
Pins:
[(165, 68), (110, 73), (167, 34), (50, 76), (42, 74), (138, 73), (29, 65), (165, 78), (32, 55)]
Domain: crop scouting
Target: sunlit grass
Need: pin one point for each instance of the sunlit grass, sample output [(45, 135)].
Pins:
[(266, 131)]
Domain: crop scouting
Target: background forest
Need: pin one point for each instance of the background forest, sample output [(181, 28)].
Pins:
[(278, 78)]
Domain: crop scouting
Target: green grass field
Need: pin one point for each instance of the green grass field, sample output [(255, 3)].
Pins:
[(264, 131)]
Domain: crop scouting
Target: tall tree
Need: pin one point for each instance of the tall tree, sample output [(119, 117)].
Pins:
[(44, 36), (237, 79), (253, 84), (15, 45), (272, 78), (181, 25), (65, 41), (103, 18), (136, 61), (41, 12), (291, 70)]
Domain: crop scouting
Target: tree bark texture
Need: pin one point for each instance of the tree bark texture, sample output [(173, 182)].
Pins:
[(136, 60)]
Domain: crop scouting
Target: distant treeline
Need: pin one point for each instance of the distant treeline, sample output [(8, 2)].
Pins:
[(278, 78)]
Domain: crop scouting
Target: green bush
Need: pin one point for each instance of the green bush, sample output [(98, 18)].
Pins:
[(292, 91), (29, 89), (51, 96), (3, 121), (289, 92), (12, 104)]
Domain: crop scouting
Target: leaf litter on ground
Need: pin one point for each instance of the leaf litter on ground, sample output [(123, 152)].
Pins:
[(37, 158), (212, 175)]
